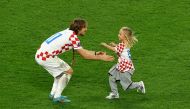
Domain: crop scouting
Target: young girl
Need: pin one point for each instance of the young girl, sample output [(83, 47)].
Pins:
[(124, 69)]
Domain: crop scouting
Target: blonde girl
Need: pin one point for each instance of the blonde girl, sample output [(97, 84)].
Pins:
[(124, 69)]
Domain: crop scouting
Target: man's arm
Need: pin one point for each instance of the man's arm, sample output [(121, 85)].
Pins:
[(86, 54), (97, 52)]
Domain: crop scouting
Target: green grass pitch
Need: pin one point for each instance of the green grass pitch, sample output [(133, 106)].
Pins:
[(161, 57)]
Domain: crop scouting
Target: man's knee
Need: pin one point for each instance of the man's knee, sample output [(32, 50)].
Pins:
[(70, 71)]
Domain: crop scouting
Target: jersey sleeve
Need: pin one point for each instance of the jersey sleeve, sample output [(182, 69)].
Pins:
[(119, 48), (75, 42)]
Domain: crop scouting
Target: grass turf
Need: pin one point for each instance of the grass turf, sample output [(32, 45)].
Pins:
[(161, 56)]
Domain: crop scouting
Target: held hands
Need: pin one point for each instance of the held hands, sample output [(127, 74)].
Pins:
[(102, 55)]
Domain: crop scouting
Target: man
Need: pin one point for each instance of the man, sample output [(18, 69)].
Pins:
[(65, 40)]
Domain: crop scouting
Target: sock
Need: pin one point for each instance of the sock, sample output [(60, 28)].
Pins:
[(62, 83), (54, 87), (68, 77)]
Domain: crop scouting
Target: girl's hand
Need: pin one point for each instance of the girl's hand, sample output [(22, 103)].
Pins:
[(103, 44)]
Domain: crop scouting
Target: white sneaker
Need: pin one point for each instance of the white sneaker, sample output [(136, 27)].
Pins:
[(112, 96), (141, 88)]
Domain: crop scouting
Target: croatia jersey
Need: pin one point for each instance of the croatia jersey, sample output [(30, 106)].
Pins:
[(57, 44), (124, 61)]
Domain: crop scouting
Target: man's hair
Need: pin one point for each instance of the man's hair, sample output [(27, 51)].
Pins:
[(77, 24)]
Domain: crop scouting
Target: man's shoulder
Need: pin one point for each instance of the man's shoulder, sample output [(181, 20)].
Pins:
[(68, 33), (66, 30)]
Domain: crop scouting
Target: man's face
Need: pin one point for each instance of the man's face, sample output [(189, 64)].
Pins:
[(82, 31)]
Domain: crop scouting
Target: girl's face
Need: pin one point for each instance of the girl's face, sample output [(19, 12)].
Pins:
[(121, 35)]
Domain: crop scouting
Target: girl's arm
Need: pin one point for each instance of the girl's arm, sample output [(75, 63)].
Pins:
[(108, 46), (113, 44)]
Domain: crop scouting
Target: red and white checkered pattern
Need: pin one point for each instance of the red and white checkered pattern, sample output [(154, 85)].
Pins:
[(66, 42), (44, 56), (124, 63), (119, 48), (75, 41)]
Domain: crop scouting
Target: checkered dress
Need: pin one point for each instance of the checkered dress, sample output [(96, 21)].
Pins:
[(124, 61)]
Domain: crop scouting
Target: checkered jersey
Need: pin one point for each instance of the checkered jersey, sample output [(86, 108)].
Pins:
[(119, 48), (124, 61), (57, 44)]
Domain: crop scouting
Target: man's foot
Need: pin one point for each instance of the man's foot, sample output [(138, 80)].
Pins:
[(51, 97), (61, 99), (141, 88), (64, 97), (112, 96)]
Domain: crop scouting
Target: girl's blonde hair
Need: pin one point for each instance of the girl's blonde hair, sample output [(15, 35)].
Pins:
[(131, 39)]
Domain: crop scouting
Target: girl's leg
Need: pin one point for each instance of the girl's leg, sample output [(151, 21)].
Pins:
[(114, 91), (113, 85), (138, 85), (134, 85), (125, 80)]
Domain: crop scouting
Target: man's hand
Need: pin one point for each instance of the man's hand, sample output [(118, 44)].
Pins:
[(106, 57), (100, 53)]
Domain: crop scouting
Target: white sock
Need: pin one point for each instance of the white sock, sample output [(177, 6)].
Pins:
[(54, 87), (68, 77), (62, 83)]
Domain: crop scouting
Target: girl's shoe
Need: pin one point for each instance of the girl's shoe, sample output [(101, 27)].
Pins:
[(112, 96), (142, 87)]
